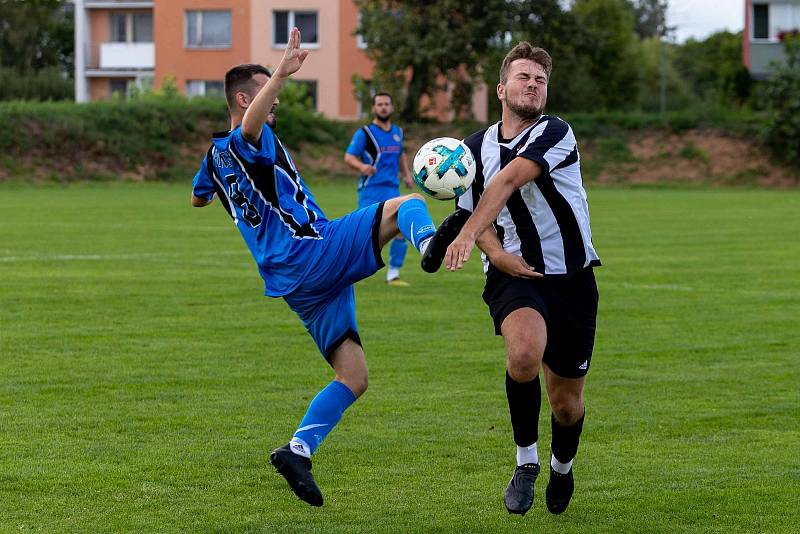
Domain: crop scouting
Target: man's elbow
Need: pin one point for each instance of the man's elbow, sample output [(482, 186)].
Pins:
[(199, 202)]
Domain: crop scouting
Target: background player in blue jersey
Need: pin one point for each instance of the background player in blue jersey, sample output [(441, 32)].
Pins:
[(376, 152), (302, 256)]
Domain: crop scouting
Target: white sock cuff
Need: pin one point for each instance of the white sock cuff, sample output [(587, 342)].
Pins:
[(527, 455), (300, 447), (423, 245), (558, 467)]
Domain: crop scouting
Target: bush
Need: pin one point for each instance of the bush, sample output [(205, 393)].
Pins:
[(147, 136), (45, 84), (782, 95)]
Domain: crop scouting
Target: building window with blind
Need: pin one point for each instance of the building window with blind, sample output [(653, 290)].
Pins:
[(212, 88), (131, 27), (306, 22), (760, 21), (208, 29)]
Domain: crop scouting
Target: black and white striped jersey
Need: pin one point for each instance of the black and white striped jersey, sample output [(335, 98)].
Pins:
[(546, 221)]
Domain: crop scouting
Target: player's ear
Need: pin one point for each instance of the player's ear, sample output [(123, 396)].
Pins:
[(501, 91), (243, 99)]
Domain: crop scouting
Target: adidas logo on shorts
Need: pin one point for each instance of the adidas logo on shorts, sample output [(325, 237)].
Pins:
[(584, 365)]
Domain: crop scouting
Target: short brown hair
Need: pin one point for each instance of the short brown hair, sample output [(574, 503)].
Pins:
[(525, 50), (240, 78), (381, 93)]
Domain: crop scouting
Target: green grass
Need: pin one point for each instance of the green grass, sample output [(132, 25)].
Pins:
[(144, 379)]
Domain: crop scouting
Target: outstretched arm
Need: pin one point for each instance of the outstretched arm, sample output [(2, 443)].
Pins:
[(256, 114), (516, 174)]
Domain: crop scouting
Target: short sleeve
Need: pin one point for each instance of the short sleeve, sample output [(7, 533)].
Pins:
[(263, 153), (357, 144), (549, 144), (202, 186)]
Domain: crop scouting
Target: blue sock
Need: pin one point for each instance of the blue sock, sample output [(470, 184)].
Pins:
[(415, 222), (322, 415), (397, 252)]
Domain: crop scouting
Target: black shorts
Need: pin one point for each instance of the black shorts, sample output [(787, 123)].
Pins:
[(568, 305)]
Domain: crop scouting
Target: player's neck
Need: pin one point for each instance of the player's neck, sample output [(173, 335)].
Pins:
[(236, 121), (512, 124), (383, 125)]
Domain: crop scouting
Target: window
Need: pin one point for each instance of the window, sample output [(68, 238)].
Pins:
[(360, 42), (205, 88), (306, 22), (118, 86), (131, 27), (311, 91), (143, 28), (760, 21), (208, 28)]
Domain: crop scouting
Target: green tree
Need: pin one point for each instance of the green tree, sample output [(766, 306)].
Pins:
[(713, 68), (412, 43), (36, 34), (650, 18), (609, 52), (783, 102)]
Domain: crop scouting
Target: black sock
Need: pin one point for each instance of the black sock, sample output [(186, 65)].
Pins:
[(524, 401), (565, 439)]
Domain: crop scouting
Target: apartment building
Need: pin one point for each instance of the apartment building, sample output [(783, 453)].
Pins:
[(120, 43), (766, 23)]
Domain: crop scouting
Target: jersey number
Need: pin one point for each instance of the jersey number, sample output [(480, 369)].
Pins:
[(249, 212)]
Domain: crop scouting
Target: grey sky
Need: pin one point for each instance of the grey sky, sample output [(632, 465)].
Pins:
[(701, 18)]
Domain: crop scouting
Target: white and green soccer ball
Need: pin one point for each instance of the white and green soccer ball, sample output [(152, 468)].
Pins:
[(444, 168)]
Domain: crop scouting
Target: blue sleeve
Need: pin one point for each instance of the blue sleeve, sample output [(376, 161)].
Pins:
[(202, 186), (357, 144), (263, 153)]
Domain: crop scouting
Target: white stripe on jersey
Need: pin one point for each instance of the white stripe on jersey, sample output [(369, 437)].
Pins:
[(560, 185)]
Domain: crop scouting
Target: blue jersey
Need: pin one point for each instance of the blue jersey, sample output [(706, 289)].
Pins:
[(261, 190), (382, 150)]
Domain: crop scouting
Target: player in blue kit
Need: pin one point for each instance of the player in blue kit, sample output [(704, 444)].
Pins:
[(376, 152), (309, 261)]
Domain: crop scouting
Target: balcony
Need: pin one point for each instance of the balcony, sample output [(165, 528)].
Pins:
[(117, 4), (127, 56)]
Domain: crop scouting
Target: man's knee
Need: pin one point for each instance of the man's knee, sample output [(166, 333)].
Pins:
[(567, 409), (524, 366), (355, 379)]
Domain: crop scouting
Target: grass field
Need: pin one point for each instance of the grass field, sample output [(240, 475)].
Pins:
[(144, 379)]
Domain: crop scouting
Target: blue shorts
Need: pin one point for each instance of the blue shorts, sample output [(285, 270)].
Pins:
[(325, 300), (374, 194)]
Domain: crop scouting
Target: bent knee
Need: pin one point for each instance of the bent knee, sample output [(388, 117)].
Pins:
[(357, 382), (523, 368), (412, 196), (567, 411)]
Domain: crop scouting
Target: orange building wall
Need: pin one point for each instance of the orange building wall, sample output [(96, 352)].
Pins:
[(352, 59), (173, 58), (322, 62), (99, 88), (99, 32), (746, 59)]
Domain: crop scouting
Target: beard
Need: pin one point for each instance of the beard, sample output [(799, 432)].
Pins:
[(385, 117), (271, 120), (525, 111)]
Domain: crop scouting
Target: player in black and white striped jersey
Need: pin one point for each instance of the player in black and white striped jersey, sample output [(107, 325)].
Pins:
[(527, 212)]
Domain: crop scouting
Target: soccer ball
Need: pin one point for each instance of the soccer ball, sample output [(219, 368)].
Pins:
[(444, 168)]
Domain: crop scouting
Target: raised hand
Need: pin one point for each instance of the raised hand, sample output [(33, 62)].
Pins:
[(293, 57)]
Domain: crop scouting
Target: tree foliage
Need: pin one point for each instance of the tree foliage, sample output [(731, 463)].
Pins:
[(414, 44), (783, 102), (713, 68), (36, 34)]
